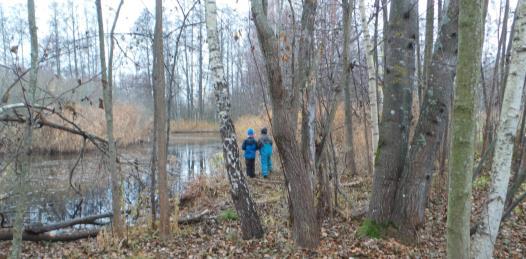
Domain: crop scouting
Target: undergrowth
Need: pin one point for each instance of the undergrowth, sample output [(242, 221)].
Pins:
[(228, 215), (371, 229)]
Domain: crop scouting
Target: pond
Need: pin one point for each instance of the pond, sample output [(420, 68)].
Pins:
[(59, 193)]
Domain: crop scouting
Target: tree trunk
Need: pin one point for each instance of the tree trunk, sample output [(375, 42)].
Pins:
[(305, 83), (24, 169), (73, 26), (56, 38), (371, 80), (430, 132), (160, 118), (200, 93), (348, 7), (245, 207), (305, 230), (428, 47), (486, 234), (463, 123), (394, 129), (116, 197)]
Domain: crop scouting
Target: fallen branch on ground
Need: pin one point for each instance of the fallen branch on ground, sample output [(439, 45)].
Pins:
[(62, 237), (39, 232), (194, 218)]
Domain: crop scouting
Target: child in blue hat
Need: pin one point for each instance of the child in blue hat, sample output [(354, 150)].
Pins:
[(250, 146)]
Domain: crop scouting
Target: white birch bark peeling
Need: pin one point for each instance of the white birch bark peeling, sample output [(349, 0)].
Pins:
[(486, 235)]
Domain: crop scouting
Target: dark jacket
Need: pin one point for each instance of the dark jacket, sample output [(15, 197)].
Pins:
[(250, 146)]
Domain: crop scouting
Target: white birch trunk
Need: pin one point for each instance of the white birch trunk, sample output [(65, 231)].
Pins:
[(250, 223), (371, 81), (486, 235)]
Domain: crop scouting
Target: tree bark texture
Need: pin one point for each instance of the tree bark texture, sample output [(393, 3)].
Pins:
[(486, 235), (463, 123), (430, 132), (305, 229), (394, 128), (116, 192), (245, 206), (160, 118)]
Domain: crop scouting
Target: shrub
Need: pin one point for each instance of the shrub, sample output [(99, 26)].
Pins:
[(228, 215)]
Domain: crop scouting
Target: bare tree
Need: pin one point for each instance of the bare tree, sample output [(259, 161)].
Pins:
[(431, 129), (250, 222), (348, 7), (486, 234), (24, 168), (106, 79), (160, 121), (371, 76), (463, 122), (306, 229), (394, 128)]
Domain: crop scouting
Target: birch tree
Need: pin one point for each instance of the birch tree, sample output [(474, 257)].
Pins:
[(305, 229), (463, 134), (486, 234), (160, 122), (116, 192), (371, 80), (24, 169), (245, 206)]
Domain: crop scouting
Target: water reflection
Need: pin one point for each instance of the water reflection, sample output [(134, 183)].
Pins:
[(53, 199)]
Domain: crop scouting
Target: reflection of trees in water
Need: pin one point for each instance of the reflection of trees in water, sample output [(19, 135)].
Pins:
[(52, 199)]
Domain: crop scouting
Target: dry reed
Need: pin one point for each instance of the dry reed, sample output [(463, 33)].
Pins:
[(130, 127)]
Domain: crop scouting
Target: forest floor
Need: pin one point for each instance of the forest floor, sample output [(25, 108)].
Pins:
[(218, 234)]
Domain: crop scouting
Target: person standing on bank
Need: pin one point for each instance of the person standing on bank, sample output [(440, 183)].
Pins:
[(265, 152), (250, 146)]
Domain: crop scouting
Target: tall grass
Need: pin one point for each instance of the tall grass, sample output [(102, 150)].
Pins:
[(130, 126)]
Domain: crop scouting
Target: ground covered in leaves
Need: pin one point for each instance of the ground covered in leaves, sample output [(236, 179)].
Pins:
[(218, 234)]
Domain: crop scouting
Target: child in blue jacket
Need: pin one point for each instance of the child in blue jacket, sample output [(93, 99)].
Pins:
[(265, 151), (250, 146)]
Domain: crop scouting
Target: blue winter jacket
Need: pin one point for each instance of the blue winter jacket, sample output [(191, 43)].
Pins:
[(250, 146), (265, 145)]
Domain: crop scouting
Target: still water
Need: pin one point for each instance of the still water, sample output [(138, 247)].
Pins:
[(59, 193)]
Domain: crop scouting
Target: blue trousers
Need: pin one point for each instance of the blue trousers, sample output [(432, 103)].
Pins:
[(266, 164)]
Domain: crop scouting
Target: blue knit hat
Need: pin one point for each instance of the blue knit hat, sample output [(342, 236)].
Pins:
[(250, 132)]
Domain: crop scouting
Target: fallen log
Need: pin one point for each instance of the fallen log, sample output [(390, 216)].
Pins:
[(90, 220), (39, 232), (61, 237)]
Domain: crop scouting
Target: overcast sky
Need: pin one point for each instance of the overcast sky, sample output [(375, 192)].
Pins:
[(129, 13)]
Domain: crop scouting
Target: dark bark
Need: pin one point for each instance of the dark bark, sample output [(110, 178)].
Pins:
[(305, 229), (160, 117), (430, 131), (394, 128)]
